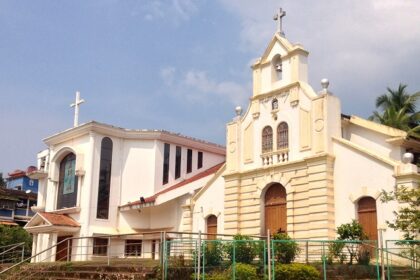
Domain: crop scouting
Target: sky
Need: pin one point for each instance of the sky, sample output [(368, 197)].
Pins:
[(184, 65)]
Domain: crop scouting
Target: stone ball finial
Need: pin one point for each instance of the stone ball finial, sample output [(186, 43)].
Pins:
[(325, 83), (238, 110), (407, 158)]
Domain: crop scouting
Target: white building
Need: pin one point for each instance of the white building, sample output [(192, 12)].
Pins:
[(293, 163), (91, 176)]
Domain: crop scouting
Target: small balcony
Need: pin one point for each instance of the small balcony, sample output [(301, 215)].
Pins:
[(275, 157)]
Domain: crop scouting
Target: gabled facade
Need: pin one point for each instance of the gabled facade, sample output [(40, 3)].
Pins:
[(93, 173), (295, 164)]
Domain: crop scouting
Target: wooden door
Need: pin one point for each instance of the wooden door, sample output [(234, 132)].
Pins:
[(63, 252), (212, 227), (275, 209), (366, 211)]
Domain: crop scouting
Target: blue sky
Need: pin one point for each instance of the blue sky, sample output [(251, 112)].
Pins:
[(183, 65)]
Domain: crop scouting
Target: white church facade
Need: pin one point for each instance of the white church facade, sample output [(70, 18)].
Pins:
[(292, 163)]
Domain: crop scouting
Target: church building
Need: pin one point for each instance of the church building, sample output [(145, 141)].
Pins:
[(292, 163)]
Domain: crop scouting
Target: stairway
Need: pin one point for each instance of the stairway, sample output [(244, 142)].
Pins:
[(118, 270)]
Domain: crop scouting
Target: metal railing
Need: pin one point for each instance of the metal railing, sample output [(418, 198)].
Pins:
[(12, 253), (181, 255), (402, 257)]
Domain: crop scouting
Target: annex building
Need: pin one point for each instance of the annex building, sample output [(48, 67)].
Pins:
[(292, 162)]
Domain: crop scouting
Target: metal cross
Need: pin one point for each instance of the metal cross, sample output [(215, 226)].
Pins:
[(76, 105), (279, 16)]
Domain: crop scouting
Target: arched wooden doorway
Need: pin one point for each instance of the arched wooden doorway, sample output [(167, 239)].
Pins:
[(275, 209), (211, 226), (366, 212)]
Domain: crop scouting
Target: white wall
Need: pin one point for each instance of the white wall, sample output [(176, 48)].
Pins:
[(373, 141), (357, 175), (210, 202)]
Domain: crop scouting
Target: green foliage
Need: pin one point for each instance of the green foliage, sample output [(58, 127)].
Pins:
[(407, 218), (245, 272), (2, 180), (397, 108), (12, 235), (213, 253), (286, 250), (296, 271), (178, 268), (242, 249), (352, 232), (335, 251), (242, 271), (363, 256)]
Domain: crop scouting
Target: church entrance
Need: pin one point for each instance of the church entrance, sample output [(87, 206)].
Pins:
[(275, 209), (63, 250), (366, 210), (212, 227)]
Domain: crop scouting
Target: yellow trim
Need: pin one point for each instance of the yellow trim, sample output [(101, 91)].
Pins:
[(387, 130), (209, 182), (358, 148)]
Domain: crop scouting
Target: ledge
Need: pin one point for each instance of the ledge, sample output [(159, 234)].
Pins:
[(70, 210)]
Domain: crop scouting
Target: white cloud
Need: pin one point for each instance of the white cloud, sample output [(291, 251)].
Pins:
[(361, 46), (174, 11), (168, 75), (197, 87)]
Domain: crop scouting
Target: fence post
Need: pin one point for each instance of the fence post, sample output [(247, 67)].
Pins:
[(234, 260), (323, 260), (109, 250), (68, 250), (199, 255), (307, 252), (269, 254), (382, 254), (164, 255), (23, 252)]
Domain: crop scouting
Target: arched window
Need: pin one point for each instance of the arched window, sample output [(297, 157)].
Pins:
[(277, 68), (267, 139), (282, 136), (274, 104), (366, 212), (67, 184), (275, 209), (102, 210), (212, 226)]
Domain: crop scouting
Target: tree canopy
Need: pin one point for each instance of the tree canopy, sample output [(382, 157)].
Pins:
[(407, 217), (397, 108)]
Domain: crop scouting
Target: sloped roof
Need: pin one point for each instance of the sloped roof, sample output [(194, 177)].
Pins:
[(59, 219), (196, 177)]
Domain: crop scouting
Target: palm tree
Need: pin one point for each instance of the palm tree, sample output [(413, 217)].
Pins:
[(398, 109)]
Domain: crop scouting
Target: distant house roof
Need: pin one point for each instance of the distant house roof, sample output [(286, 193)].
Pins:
[(12, 194), (196, 177), (20, 173)]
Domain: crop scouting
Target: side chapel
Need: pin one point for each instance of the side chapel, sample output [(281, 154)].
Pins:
[(292, 163)]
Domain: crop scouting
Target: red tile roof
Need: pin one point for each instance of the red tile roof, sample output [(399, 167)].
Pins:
[(196, 177), (59, 219)]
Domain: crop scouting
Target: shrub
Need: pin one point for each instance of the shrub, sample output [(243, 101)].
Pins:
[(245, 272), (335, 250), (285, 251), (354, 232), (296, 271), (213, 253), (363, 256), (245, 249)]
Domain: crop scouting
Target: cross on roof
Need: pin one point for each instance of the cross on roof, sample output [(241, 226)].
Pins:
[(279, 16), (76, 105)]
